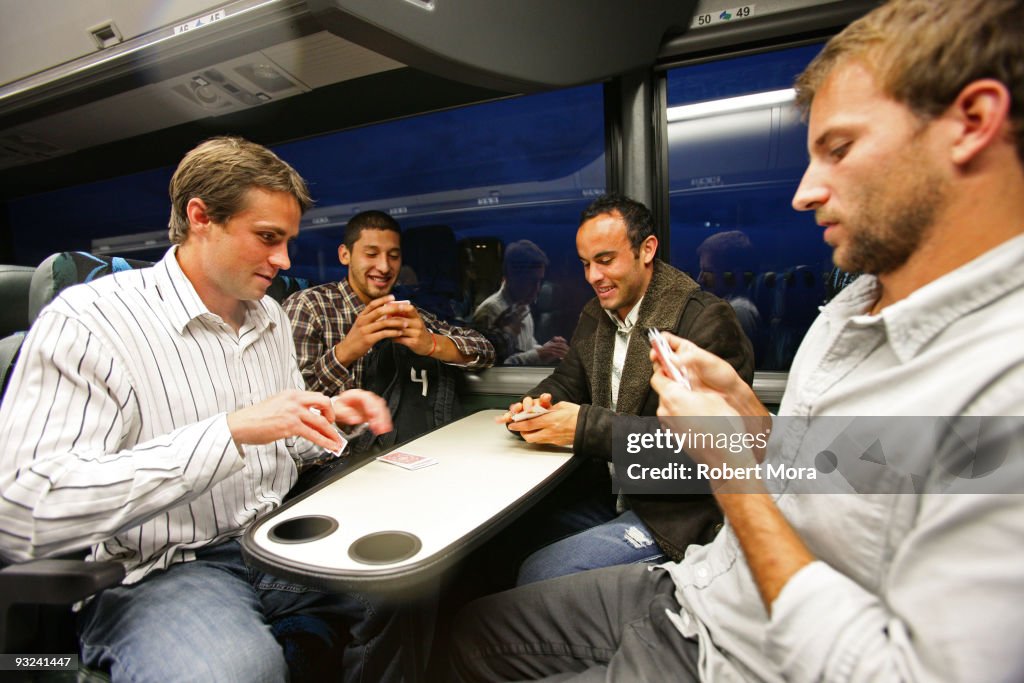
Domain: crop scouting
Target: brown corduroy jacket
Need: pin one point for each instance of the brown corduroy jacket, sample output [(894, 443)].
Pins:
[(673, 302)]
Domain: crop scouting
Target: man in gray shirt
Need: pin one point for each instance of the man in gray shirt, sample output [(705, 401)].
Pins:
[(916, 174)]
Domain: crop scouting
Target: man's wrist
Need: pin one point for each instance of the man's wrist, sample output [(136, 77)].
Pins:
[(342, 355)]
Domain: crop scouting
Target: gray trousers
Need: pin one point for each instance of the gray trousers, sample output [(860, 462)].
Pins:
[(603, 625)]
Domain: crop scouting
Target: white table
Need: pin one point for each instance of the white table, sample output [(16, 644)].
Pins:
[(485, 478)]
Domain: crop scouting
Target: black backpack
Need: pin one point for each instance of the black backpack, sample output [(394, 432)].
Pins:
[(421, 393)]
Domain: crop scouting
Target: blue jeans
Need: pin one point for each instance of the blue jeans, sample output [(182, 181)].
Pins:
[(214, 619), (623, 540)]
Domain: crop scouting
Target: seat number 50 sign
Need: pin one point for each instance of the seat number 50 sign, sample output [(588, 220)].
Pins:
[(703, 19)]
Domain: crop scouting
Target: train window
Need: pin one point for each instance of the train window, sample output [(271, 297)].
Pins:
[(464, 184), (737, 150)]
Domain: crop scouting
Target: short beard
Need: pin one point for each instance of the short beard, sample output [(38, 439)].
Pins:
[(894, 229)]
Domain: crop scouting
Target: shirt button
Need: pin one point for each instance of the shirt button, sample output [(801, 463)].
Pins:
[(702, 571)]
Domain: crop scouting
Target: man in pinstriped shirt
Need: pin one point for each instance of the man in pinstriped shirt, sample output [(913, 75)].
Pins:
[(156, 413)]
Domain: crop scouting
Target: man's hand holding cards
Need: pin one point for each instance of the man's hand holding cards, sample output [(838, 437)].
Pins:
[(526, 409), (530, 413), (556, 425), (408, 461)]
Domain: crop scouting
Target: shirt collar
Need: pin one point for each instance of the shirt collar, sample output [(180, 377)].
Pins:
[(626, 326), (352, 299), (185, 304), (914, 321)]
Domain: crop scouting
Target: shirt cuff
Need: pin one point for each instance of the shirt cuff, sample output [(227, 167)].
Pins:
[(464, 348), (821, 624), (331, 376)]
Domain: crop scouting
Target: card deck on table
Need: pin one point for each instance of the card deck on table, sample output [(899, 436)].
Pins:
[(408, 461)]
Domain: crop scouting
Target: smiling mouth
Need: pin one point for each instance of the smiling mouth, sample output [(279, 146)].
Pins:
[(378, 280), (604, 291)]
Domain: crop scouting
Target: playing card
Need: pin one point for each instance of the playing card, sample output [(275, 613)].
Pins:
[(409, 461)]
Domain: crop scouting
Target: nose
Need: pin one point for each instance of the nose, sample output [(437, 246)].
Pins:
[(812, 191), (279, 257), (594, 274)]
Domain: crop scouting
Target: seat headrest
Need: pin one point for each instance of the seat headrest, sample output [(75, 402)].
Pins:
[(284, 286), (9, 348), (67, 268), (14, 288)]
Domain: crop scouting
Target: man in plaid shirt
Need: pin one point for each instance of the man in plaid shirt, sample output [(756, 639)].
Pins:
[(336, 325)]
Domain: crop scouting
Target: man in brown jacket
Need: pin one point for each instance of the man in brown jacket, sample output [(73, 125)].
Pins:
[(604, 380)]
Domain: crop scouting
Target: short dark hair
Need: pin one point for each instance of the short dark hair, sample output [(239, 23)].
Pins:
[(637, 217), (368, 220), (732, 247), (221, 171), (523, 255)]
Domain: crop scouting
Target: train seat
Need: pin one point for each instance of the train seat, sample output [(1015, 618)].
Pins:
[(14, 320), (14, 287), (430, 251)]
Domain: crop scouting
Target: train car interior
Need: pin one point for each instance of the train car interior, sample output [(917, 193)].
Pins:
[(474, 123)]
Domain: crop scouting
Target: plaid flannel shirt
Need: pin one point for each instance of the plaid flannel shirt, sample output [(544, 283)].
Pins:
[(321, 317)]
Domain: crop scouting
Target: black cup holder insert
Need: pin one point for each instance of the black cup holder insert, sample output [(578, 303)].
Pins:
[(384, 547), (303, 529)]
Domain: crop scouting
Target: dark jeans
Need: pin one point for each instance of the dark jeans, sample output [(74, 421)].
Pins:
[(603, 625), (211, 619)]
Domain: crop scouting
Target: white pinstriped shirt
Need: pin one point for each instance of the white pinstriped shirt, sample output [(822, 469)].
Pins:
[(113, 431)]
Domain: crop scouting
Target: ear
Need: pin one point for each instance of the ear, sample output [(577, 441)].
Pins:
[(648, 249), (343, 255), (981, 110), (198, 219)]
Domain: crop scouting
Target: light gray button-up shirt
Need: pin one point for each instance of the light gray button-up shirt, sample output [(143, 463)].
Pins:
[(906, 587)]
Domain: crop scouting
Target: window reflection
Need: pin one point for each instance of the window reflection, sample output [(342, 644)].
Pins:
[(463, 184), (737, 150)]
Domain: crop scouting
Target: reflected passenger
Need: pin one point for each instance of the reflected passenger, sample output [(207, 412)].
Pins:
[(725, 260), (506, 317)]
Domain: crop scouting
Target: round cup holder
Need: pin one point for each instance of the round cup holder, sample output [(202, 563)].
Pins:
[(302, 529), (384, 547)]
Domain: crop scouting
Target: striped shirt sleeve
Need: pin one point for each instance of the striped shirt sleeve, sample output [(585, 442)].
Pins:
[(71, 472)]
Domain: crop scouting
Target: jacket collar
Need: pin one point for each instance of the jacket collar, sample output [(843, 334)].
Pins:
[(662, 307)]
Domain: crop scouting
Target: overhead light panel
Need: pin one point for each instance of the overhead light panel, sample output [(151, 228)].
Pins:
[(731, 104)]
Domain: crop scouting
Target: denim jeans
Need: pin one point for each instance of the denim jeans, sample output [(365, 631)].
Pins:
[(623, 540), (211, 620)]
